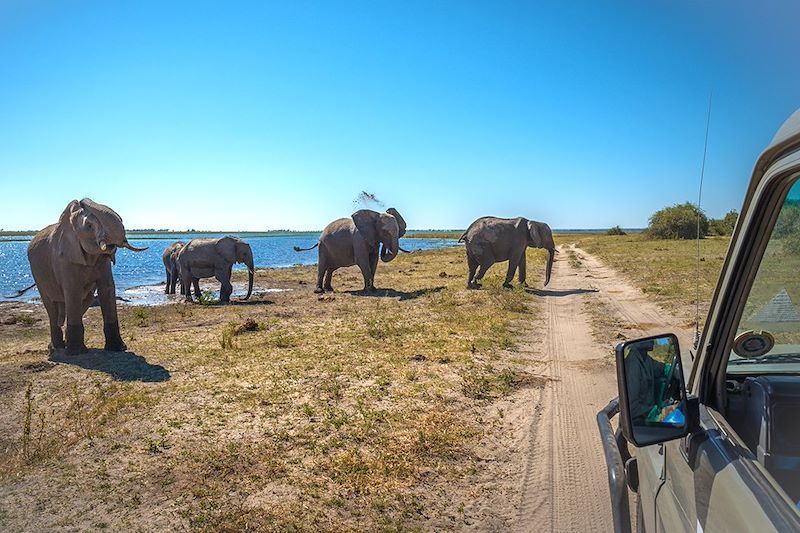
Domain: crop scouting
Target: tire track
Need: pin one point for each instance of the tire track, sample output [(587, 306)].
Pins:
[(565, 484)]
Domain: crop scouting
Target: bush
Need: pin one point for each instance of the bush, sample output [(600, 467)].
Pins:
[(791, 244), (616, 230), (677, 222), (723, 226), (788, 222)]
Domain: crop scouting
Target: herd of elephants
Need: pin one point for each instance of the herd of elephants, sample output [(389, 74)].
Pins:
[(71, 260)]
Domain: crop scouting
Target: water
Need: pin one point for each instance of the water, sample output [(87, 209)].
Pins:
[(139, 277)]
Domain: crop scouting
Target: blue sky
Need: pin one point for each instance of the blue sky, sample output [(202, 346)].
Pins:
[(267, 115)]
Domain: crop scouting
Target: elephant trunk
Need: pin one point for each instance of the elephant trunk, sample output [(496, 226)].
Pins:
[(550, 256), (250, 273), (389, 252), (129, 246)]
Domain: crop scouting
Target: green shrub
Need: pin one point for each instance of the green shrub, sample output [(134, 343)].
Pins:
[(724, 225), (791, 244), (677, 222), (616, 230), (788, 222)]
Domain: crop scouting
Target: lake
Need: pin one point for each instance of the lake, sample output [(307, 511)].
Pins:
[(140, 276)]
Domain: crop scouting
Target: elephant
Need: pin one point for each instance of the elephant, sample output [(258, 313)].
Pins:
[(170, 260), (205, 258), (490, 240), (354, 241), (69, 261)]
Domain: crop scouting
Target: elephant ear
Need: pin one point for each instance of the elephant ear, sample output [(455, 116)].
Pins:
[(535, 234), (68, 245), (226, 248), (400, 222), (366, 222)]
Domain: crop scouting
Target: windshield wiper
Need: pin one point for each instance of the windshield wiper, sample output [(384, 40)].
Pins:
[(769, 358)]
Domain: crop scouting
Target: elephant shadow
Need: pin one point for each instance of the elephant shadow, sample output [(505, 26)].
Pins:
[(402, 295), (122, 366), (559, 293), (251, 302)]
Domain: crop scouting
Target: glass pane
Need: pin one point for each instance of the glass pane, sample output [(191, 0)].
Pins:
[(655, 392), (768, 336)]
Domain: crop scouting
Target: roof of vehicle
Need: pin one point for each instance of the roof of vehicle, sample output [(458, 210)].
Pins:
[(786, 139), (789, 129)]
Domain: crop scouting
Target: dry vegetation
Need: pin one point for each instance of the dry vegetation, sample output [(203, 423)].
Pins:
[(666, 270), (288, 412)]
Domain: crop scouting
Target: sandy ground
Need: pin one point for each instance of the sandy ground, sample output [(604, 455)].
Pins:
[(565, 485), (539, 464)]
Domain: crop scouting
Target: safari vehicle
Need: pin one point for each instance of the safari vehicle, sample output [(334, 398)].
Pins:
[(720, 451)]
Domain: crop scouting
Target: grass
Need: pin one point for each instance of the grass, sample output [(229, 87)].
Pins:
[(434, 234), (290, 412), (666, 270)]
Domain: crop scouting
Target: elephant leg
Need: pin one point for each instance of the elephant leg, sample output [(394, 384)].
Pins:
[(106, 293), (484, 267), (373, 267), (472, 263), (196, 284), (56, 335), (322, 272), (363, 265), (75, 336), (522, 269), (513, 262), (328, 276), (167, 285), (225, 290), (187, 276)]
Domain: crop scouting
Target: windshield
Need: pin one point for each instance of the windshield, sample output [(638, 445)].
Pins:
[(768, 336)]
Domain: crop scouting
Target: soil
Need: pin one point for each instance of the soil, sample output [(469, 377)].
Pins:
[(564, 486), (539, 465)]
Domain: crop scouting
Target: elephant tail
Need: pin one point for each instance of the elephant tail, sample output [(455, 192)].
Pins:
[(298, 249), (21, 291)]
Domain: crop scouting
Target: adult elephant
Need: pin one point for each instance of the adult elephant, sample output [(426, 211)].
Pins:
[(490, 240), (70, 260), (170, 260), (355, 241), (206, 258)]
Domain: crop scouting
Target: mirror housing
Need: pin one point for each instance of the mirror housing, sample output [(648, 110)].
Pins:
[(653, 404)]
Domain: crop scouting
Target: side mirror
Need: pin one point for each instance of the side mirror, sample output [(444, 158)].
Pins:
[(653, 404)]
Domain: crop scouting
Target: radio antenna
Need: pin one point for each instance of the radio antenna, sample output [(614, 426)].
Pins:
[(699, 199)]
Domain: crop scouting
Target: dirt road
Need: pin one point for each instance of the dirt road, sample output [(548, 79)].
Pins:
[(565, 486)]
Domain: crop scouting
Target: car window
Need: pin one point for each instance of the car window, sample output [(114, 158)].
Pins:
[(768, 336)]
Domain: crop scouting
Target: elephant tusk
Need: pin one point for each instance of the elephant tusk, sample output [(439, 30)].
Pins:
[(128, 245), (103, 245)]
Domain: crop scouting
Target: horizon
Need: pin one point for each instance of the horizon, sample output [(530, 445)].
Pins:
[(271, 115)]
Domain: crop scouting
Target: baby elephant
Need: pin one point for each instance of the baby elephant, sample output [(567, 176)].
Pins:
[(490, 240), (205, 258), (356, 241)]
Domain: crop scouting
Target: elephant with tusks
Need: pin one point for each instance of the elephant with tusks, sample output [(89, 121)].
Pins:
[(359, 240), (70, 260)]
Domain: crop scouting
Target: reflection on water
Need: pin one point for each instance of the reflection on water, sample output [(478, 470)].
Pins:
[(140, 276)]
